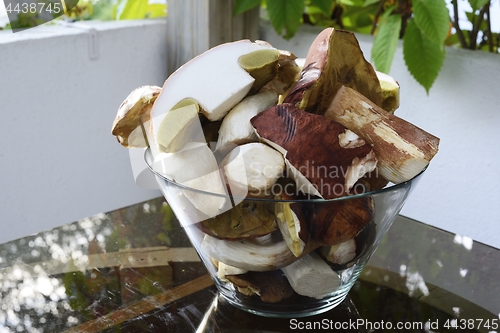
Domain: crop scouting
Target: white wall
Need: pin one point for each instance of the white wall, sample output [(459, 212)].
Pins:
[(460, 191), (58, 160)]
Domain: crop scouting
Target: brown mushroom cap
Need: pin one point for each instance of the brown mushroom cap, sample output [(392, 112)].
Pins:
[(247, 219), (271, 286), (334, 222), (312, 144), (334, 60), (135, 110)]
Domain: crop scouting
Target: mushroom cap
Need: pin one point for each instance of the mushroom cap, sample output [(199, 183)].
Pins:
[(334, 59), (323, 152), (134, 111)]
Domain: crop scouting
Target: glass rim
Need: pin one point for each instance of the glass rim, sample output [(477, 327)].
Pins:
[(389, 187)]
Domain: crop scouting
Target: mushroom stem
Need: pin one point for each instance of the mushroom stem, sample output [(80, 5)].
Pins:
[(311, 276), (144, 134), (403, 150), (340, 253)]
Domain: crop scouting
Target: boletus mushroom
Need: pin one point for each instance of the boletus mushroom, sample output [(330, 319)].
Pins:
[(334, 60), (292, 224), (334, 222), (403, 149), (252, 254), (195, 167), (236, 128), (311, 276), (240, 66), (252, 168), (133, 113), (249, 218), (271, 286), (323, 157)]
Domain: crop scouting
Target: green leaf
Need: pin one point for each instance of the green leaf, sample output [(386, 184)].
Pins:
[(286, 14), (371, 2), (432, 18), (317, 17), (423, 57), (324, 5), (355, 3), (386, 42), (132, 9), (241, 6), (478, 4), (354, 18), (138, 9)]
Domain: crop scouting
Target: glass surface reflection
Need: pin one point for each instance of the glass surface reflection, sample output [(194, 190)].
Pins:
[(133, 270), (221, 317)]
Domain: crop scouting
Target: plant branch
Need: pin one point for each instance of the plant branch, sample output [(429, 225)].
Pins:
[(488, 32), (380, 9), (460, 33), (477, 27)]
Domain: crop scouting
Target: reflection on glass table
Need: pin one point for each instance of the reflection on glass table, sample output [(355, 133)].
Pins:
[(134, 270)]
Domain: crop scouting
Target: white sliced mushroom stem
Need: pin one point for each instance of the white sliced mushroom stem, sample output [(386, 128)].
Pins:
[(340, 254), (252, 168), (403, 150), (223, 270), (236, 128), (311, 276), (195, 167)]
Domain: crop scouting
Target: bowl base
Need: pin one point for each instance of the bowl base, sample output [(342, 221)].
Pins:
[(327, 306)]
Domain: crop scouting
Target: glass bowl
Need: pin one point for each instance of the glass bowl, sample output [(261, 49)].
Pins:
[(261, 267)]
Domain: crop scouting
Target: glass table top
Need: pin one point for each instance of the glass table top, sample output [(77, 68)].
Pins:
[(134, 270)]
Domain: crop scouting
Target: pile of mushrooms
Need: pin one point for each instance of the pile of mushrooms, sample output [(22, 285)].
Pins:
[(242, 120)]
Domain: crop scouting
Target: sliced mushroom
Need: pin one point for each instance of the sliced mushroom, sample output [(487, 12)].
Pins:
[(293, 226), (317, 150), (371, 181), (249, 254), (223, 270), (334, 60), (195, 167), (311, 276), (334, 222), (288, 72), (403, 149), (271, 286), (341, 253), (252, 168), (195, 81), (236, 128), (132, 114), (249, 218), (262, 65), (182, 126), (390, 92)]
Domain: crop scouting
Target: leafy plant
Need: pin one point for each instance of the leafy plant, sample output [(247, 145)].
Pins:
[(104, 10), (425, 26), (109, 10)]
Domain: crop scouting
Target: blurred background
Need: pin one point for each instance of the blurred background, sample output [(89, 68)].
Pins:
[(62, 82)]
